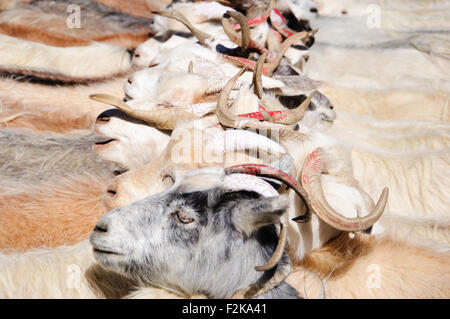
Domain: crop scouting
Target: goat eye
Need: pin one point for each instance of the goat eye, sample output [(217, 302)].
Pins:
[(183, 218)]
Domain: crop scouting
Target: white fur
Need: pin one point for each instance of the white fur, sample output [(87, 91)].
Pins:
[(62, 272), (133, 145), (94, 61)]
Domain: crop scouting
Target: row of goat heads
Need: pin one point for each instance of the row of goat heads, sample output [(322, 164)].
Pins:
[(275, 48), (308, 186), (309, 189)]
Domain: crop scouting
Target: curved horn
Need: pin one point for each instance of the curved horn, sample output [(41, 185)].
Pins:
[(292, 116), (295, 115), (238, 140), (164, 119), (271, 172), (312, 169), (227, 118), (281, 245), (270, 66), (245, 41), (273, 40), (200, 35), (257, 81), (245, 30), (258, 289)]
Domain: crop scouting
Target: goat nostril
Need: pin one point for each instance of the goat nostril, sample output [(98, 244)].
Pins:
[(102, 120), (100, 229), (111, 192), (129, 81), (136, 55), (313, 10), (331, 107)]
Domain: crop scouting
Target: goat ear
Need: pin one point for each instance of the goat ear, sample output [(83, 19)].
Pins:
[(251, 214)]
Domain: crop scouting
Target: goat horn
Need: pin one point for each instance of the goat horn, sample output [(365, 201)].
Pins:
[(245, 30), (257, 81), (245, 41), (227, 118), (292, 116), (272, 65), (281, 245), (258, 289), (200, 35), (271, 172), (298, 113), (163, 119), (273, 40), (238, 140), (312, 169)]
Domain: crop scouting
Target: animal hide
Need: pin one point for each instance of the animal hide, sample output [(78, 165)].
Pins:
[(57, 65), (52, 23), (60, 109)]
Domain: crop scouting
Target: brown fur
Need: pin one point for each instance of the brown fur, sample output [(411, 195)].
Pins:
[(54, 108), (395, 104), (52, 121), (34, 34), (50, 215), (44, 23), (138, 8), (128, 39), (52, 78), (344, 265)]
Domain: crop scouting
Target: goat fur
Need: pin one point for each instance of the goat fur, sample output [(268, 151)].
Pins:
[(31, 158), (418, 181), (391, 104), (57, 109), (373, 267), (71, 272), (45, 22), (50, 214), (95, 62)]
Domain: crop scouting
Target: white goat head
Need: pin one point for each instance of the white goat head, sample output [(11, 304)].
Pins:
[(219, 227), (146, 53), (153, 51), (131, 142), (174, 88), (188, 149), (320, 113)]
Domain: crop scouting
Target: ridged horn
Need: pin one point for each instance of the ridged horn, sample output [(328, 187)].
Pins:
[(277, 174), (163, 119), (200, 35), (313, 167)]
